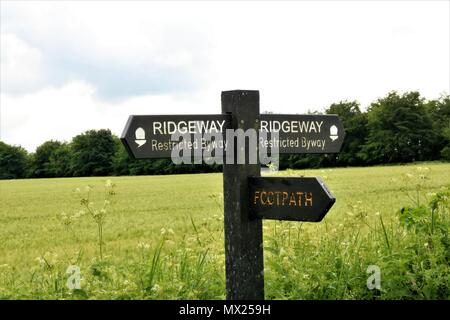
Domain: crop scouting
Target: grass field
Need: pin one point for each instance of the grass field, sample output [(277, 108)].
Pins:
[(163, 238)]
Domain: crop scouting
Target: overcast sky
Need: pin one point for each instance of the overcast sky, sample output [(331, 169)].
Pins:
[(68, 67)]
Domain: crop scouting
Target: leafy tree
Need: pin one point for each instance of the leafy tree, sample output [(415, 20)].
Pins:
[(121, 160), (124, 164), (59, 162), (354, 122), (440, 113), (92, 153), (40, 160), (13, 161), (400, 130), (300, 161)]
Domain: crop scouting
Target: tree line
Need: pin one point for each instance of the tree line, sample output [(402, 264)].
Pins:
[(397, 128)]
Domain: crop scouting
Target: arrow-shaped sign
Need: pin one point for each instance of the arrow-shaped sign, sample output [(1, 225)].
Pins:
[(289, 198), (149, 136), (304, 133)]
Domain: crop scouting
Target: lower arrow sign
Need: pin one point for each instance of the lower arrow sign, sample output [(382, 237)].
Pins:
[(292, 198)]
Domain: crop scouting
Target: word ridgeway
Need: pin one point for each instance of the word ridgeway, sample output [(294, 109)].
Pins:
[(293, 126), (182, 127)]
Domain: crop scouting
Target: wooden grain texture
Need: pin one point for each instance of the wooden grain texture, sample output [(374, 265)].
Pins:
[(243, 236)]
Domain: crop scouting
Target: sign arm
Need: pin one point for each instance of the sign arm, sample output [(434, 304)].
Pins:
[(124, 134)]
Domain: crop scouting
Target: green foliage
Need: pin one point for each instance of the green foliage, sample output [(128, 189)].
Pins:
[(92, 153), (123, 164), (13, 161), (98, 215), (46, 161), (400, 130), (59, 162), (397, 128), (445, 153), (415, 218), (440, 113), (428, 218), (425, 259), (355, 124), (413, 255)]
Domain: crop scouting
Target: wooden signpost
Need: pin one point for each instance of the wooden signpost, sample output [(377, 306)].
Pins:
[(248, 197)]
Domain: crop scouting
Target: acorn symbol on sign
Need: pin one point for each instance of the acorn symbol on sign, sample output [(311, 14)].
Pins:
[(333, 133), (140, 137)]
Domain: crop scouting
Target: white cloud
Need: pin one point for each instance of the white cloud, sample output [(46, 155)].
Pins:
[(304, 55), (74, 66), (51, 113), (60, 113), (20, 65), (124, 49)]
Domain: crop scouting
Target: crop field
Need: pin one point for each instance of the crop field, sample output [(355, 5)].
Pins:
[(161, 237)]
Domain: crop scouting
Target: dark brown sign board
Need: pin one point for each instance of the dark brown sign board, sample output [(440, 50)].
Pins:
[(306, 133), (289, 198), (149, 136)]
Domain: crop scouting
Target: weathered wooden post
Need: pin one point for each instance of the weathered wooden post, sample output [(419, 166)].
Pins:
[(244, 261)]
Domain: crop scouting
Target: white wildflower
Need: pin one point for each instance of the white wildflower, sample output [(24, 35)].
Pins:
[(143, 245), (40, 260), (156, 288)]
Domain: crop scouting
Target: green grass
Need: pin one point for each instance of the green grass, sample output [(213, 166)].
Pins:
[(164, 239)]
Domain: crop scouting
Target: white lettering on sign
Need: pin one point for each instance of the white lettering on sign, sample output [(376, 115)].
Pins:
[(293, 143), (313, 143), (194, 126), (197, 126), (291, 126)]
